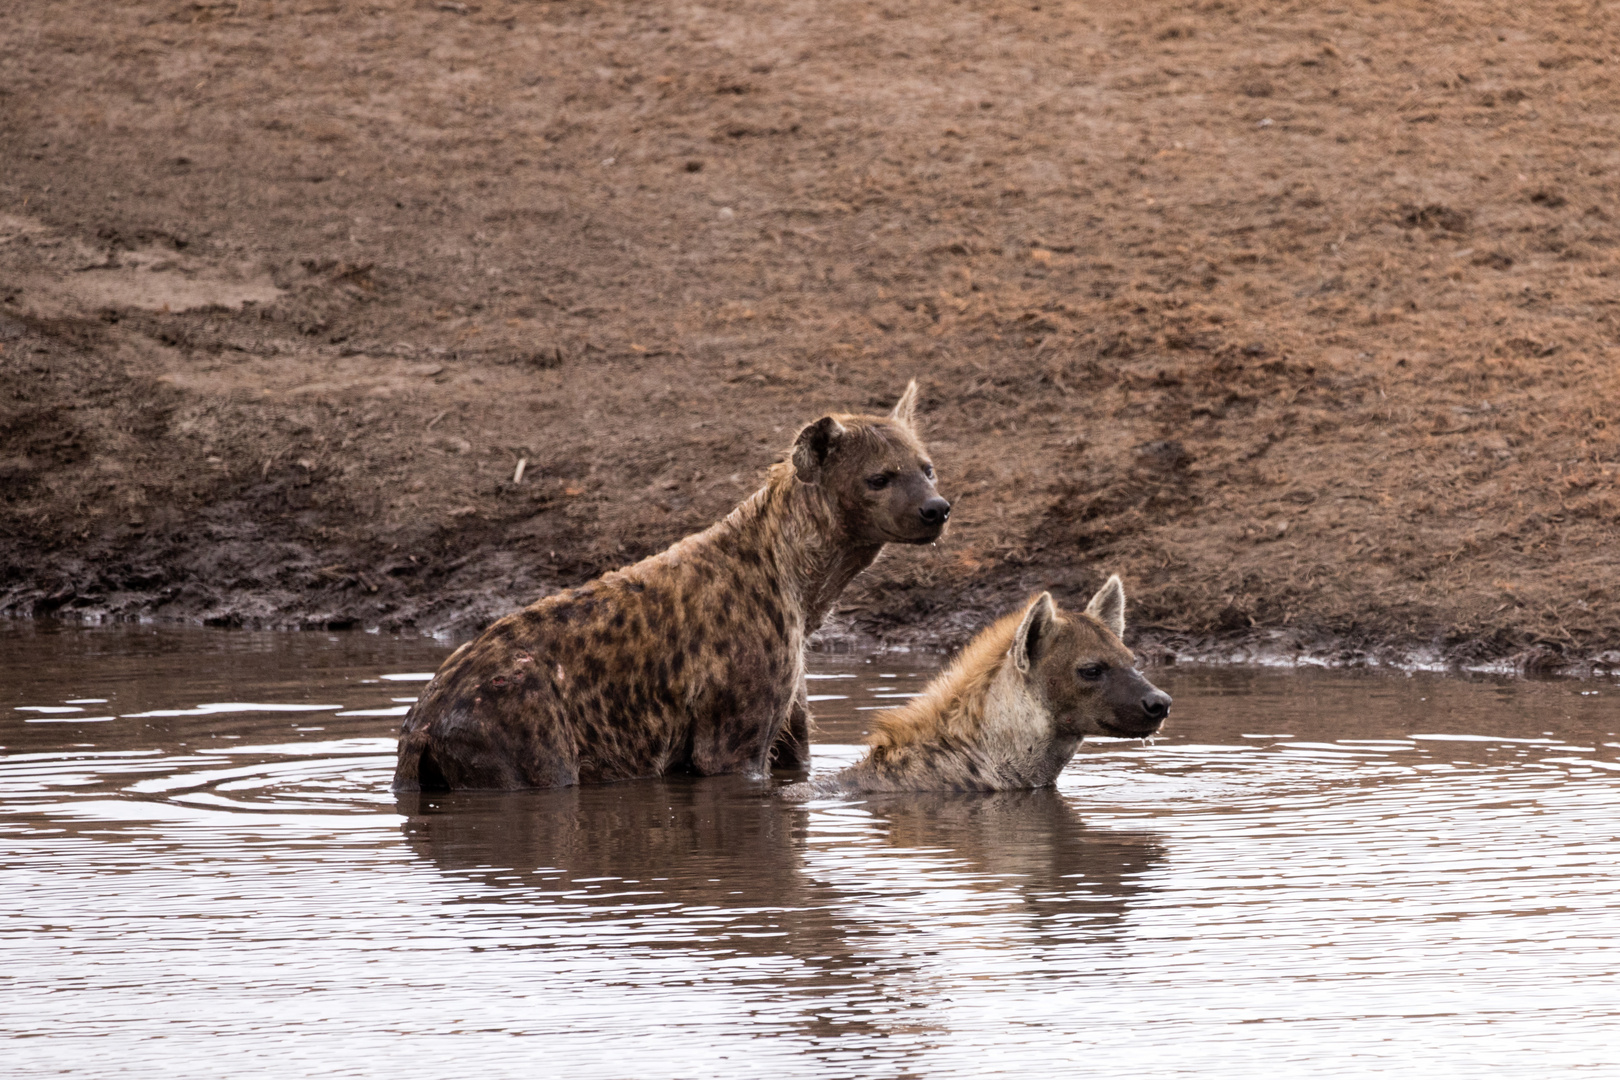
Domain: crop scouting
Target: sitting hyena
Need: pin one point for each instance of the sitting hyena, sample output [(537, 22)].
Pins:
[(692, 659), (1012, 708)]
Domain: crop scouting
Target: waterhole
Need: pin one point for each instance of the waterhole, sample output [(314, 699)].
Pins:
[(203, 873)]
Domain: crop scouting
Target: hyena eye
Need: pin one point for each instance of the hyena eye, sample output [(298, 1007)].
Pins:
[(928, 470), (1092, 672), (878, 481)]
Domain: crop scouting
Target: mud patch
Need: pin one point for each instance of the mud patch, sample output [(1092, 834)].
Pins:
[(156, 281), (64, 272)]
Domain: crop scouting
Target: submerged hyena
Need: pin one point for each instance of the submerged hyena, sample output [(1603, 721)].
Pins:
[(1012, 708)]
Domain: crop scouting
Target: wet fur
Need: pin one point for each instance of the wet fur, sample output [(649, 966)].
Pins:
[(1010, 710), (690, 660)]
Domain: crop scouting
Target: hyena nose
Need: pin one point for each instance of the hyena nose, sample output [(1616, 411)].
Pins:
[(935, 511), (1156, 705)]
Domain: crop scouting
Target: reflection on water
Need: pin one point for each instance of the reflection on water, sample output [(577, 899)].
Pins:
[(200, 862), (854, 911)]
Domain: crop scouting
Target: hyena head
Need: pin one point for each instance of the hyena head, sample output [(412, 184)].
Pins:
[(1084, 674), (876, 475)]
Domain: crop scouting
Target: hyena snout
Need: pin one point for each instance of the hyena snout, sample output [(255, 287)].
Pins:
[(1139, 708), (1156, 706), (934, 512)]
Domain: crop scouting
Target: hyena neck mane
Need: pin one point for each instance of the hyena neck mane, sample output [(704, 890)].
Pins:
[(793, 532), (958, 704)]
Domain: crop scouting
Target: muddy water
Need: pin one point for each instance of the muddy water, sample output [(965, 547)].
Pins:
[(203, 873)]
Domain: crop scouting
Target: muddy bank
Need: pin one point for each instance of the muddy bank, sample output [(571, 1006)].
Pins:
[(1302, 320)]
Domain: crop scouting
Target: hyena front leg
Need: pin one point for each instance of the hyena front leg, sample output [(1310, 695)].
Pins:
[(792, 747)]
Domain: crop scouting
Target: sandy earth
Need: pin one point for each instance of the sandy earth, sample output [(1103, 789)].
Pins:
[(1301, 317)]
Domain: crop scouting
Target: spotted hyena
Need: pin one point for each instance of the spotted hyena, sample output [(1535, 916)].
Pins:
[(1012, 708), (692, 659)]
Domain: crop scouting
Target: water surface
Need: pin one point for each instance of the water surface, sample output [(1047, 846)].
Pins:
[(203, 873)]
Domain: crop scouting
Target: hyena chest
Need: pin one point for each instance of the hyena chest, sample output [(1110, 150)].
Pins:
[(1018, 748), (1031, 764)]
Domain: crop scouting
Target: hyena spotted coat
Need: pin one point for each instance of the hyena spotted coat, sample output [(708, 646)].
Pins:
[(1012, 708), (692, 659)]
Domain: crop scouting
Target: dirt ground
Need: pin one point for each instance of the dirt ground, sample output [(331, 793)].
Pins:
[(1302, 318)]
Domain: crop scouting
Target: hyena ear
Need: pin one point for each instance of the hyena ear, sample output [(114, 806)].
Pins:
[(814, 446), (905, 410), (1035, 632), (1109, 606)]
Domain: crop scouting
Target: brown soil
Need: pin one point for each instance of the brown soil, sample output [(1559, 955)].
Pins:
[(1302, 318)]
